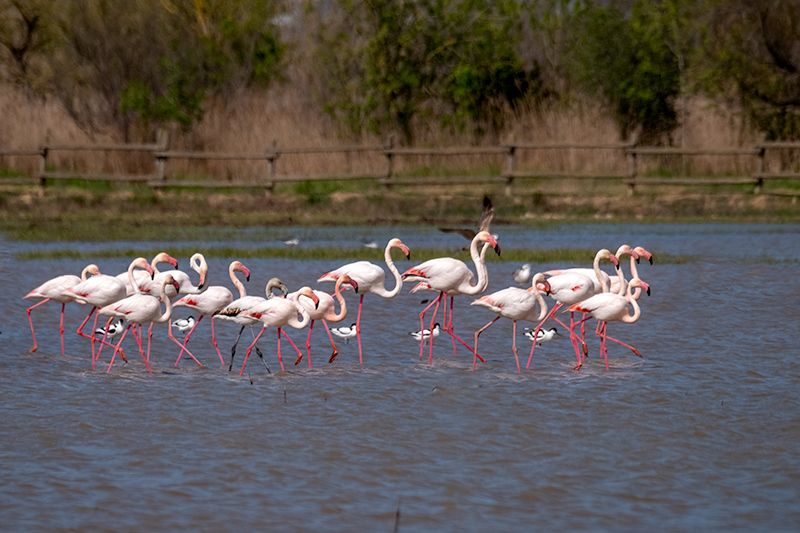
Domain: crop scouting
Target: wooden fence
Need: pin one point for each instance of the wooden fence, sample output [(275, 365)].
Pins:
[(161, 156)]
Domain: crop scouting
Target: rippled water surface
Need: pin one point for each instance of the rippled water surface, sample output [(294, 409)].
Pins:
[(701, 434)]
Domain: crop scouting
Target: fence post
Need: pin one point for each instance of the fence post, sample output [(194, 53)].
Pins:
[(272, 156), (162, 140), (632, 164), (389, 162), (43, 165), (510, 164), (759, 171)]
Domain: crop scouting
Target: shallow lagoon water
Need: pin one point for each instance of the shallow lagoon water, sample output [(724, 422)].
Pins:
[(700, 434)]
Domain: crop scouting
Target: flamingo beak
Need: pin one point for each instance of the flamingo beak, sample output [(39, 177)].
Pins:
[(650, 259), (150, 271), (614, 260), (494, 243), (246, 272), (406, 251), (315, 299), (354, 285), (202, 281), (176, 285), (645, 286)]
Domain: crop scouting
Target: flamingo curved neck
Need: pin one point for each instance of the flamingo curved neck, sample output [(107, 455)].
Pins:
[(480, 268), (337, 293), (168, 311), (599, 273), (236, 283), (630, 319), (299, 324), (634, 274), (381, 290), (132, 280)]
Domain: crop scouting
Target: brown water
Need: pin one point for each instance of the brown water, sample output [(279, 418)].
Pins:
[(702, 434)]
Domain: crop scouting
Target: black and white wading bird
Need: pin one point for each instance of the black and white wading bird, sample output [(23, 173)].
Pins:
[(114, 330), (543, 336), (345, 332), (425, 334), (184, 325)]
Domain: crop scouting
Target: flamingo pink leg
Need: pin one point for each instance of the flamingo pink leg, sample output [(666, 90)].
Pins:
[(299, 353), (176, 341), (477, 334), (103, 343), (335, 351), (308, 344), (536, 331), (80, 328), (250, 348), (280, 359), (514, 347), (116, 348), (35, 346), (61, 328), (433, 320), (422, 323), (358, 333), (94, 333), (186, 339), (214, 341), (150, 338), (634, 350), (451, 324)]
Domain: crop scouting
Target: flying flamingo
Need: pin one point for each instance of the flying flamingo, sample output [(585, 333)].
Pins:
[(53, 290), (140, 309), (325, 310), (371, 278), (211, 301), (572, 287), (100, 291), (451, 277), (279, 312), (197, 263), (516, 304), (610, 307), (140, 276), (235, 312)]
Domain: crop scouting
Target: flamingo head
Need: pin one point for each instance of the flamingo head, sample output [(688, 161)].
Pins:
[(647, 255), (169, 280), (623, 250), (90, 269), (348, 280), (141, 262), (275, 283), (540, 283), (164, 257), (605, 254), (397, 243), (636, 282), (198, 263), (237, 266), (308, 293), (485, 236)]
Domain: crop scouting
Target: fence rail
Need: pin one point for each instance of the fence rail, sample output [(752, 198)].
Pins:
[(633, 153)]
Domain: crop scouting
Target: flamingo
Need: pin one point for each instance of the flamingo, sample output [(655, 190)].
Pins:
[(371, 278), (141, 309), (235, 312), (345, 332), (610, 307), (451, 277), (141, 276), (100, 291), (635, 254), (211, 301), (54, 290), (279, 312), (515, 304), (197, 263), (571, 287), (324, 310)]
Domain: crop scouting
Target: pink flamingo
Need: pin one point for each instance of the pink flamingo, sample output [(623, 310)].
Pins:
[(371, 278), (572, 287), (140, 309), (54, 290), (325, 311), (100, 291), (451, 277), (236, 312), (616, 286), (515, 304), (141, 276), (610, 307), (197, 263), (279, 312), (211, 301)]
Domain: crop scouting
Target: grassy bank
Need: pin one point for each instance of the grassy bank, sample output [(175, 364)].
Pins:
[(95, 213)]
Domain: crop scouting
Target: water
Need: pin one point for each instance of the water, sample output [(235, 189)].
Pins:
[(701, 434)]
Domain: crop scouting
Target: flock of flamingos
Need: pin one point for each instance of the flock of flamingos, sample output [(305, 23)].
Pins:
[(136, 296)]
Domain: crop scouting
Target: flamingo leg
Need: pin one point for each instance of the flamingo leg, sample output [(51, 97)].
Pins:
[(574, 339), (258, 351), (186, 339), (60, 327), (176, 341), (150, 338), (634, 350), (335, 351), (422, 323), (103, 343), (477, 334), (299, 353), (467, 346), (233, 349), (116, 348), (358, 333), (451, 325), (139, 342), (94, 332), (308, 344), (214, 341), (514, 347), (80, 328), (35, 346), (249, 349), (280, 359), (433, 320), (536, 332)]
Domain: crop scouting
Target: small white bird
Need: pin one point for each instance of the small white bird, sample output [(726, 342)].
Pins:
[(184, 325), (114, 330), (292, 242), (425, 334), (372, 245), (345, 332), (543, 336), (522, 275)]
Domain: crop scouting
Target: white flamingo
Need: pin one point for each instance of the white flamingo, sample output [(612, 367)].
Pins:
[(141, 276), (140, 309), (211, 301), (371, 278), (325, 310), (197, 263), (54, 290), (515, 304), (279, 312), (451, 277)]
